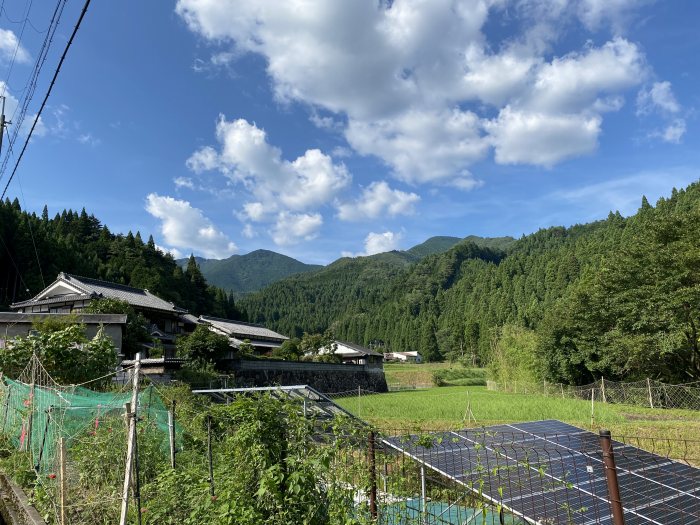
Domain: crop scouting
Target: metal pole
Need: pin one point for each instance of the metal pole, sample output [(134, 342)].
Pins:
[(372, 477), (209, 456), (651, 399), (171, 427), (611, 477)]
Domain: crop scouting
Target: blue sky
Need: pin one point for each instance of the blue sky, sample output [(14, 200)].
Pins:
[(319, 129)]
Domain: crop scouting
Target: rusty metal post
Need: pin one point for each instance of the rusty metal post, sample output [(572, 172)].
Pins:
[(372, 476), (611, 477)]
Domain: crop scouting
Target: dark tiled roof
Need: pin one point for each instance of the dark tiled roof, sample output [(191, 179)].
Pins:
[(242, 330), (94, 288)]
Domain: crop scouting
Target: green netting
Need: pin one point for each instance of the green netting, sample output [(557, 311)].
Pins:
[(35, 417)]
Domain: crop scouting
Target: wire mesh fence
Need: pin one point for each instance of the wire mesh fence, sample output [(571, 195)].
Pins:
[(271, 457), (647, 393)]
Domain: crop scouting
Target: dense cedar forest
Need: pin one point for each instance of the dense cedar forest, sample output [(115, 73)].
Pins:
[(618, 298), (33, 250)]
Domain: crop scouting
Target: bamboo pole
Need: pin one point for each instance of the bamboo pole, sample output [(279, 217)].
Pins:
[(171, 428), (62, 482), (131, 415)]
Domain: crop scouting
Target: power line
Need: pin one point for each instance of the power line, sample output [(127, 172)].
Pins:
[(19, 43), (32, 83), (46, 98)]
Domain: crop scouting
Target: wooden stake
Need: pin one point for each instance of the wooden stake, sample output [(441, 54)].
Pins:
[(209, 456), (30, 421), (651, 399), (171, 426), (562, 390), (592, 399), (602, 388), (63, 481)]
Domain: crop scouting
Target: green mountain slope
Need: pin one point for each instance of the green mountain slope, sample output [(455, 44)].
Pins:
[(440, 244), (618, 298), (242, 274)]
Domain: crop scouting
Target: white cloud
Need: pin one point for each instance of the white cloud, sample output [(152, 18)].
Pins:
[(10, 46), (310, 180), (249, 232), (658, 97), (185, 227), (422, 146), (674, 132), (183, 182), (292, 228), (376, 200), (382, 242), (542, 139), (203, 159), (89, 139), (177, 254), (415, 83)]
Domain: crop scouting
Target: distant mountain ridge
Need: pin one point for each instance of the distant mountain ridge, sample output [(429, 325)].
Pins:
[(243, 274), (253, 271)]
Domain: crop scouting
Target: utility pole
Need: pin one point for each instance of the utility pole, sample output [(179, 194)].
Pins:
[(3, 123)]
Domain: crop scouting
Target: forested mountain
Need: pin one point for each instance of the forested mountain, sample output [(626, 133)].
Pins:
[(33, 250), (242, 274), (440, 244), (618, 297)]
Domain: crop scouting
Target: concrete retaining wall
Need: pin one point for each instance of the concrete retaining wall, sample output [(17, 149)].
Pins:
[(326, 377), (14, 505)]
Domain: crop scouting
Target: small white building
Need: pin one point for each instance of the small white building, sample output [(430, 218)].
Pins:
[(404, 357)]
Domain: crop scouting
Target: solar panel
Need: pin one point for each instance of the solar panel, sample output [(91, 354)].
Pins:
[(549, 472)]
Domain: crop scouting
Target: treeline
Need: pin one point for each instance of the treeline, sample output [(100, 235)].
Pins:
[(618, 298), (34, 249)]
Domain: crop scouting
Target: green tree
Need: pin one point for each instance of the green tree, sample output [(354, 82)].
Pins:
[(203, 345), (135, 334)]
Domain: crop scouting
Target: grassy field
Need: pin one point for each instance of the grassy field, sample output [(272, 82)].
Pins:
[(444, 408), (408, 375)]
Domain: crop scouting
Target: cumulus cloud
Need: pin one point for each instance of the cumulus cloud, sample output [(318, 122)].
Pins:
[(417, 83), (10, 47), (245, 155), (376, 200), (540, 138), (186, 228), (378, 243), (658, 99), (292, 228), (183, 182)]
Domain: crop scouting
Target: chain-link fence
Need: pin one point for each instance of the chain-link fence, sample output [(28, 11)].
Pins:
[(647, 393)]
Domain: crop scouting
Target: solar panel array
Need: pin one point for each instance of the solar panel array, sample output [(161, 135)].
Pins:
[(548, 472)]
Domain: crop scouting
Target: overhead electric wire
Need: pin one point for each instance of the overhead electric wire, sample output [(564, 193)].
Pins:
[(19, 43), (48, 93), (31, 85)]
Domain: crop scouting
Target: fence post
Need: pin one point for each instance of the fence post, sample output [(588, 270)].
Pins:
[(209, 456), (171, 428), (651, 399), (611, 477), (423, 502), (359, 401), (131, 422), (62, 481), (372, 477), (562, 390), (592, 406), (602, 388)]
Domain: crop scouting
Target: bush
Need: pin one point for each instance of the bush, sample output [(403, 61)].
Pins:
[(514, 356), (460, 377)]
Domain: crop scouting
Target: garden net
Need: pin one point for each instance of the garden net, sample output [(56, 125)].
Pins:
[(34, 417)]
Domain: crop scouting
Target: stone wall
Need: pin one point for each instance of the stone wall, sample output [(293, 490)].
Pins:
[(325, 377)]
